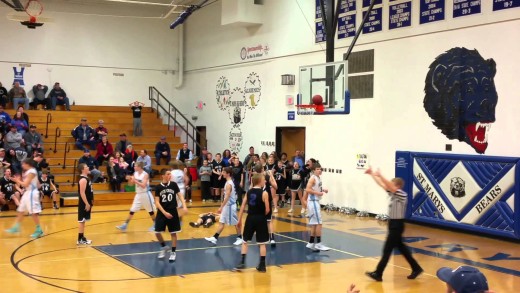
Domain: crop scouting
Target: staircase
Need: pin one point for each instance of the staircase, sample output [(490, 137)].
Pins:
[(62, 155)]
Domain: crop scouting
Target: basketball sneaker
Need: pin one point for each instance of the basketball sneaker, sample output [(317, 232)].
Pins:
[(275, 210), (320, 246), (273, 243), (122, 227), (239, 267), (84, 241), (55, 207), (151, 229), (261, 268), (194, 225), (173, 256), (37, 234), (310, 246), (14, 229), (162, 252), (211, 239), (290, 211), (303, 211), (239, 241), (374, 275)]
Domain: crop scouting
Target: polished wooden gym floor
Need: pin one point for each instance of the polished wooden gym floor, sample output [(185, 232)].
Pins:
[(118, 262)]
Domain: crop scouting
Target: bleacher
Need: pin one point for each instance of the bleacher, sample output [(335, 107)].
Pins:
[(61, 154)]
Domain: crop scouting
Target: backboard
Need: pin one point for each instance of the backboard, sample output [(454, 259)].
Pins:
[(329, 80)]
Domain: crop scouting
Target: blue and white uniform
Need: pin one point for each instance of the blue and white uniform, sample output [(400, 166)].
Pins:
[(143, 197), (177, 176), (313, 204), (229, 212), (30, 201)]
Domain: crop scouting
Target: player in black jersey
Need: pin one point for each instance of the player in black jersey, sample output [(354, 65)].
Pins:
[(217, 180), (295, 185), (257, 201), (9, 190), (280, 177), (166, 194), (205, 220), (270, 183), (47, 188), (86, 197)]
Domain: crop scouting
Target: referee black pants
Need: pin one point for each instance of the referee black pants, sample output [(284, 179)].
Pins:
[(395, 240)]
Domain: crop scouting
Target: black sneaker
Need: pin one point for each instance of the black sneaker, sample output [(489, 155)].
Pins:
[(375, 276), (261, 268), (282, 203), (239, 267), (415, 274), (194, 225), (56, 207)]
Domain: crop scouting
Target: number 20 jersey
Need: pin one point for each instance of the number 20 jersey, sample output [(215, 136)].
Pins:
[(167, 194)]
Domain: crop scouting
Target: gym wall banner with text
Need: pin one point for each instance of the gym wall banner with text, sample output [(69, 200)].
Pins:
[(237, 101)]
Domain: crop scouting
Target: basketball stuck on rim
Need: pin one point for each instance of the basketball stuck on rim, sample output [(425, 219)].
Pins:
[(317, 100)]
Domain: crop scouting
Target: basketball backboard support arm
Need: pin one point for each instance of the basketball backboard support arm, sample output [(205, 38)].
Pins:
[(360, 29), (15, 4)]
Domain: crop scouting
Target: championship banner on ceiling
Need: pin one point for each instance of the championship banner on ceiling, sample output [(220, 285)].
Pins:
[(475, 193)]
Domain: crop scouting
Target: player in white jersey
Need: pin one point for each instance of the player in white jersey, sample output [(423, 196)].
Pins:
[(315, 191), (143, 197), (228, 209), (30, 201), (179, 176)]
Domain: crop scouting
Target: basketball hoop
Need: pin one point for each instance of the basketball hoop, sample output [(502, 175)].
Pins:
[(309, 109), (33, 8)]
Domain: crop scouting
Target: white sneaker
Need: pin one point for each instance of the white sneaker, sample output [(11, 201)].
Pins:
[(272, 242), (303, 211), (275, 210), (290, 211), (238, 242), (162, 252), (211, 239), (172, 256), (203, 200), (321, 247), (84, 241), (191, 201), (310, 246)]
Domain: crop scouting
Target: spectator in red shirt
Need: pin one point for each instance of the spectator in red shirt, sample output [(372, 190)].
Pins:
[(100, 131), (104, 150)]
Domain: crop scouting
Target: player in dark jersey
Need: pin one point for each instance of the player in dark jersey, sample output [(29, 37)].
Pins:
[(269, 184), (209, 156), (9, 189), (218, 179), (296, 185), (86, 196), (238, 179), (166, 195), (205, 220), (257, 201), (47, 188), (279, 176)]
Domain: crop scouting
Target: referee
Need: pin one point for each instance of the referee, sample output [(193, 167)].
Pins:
[(394, 239)]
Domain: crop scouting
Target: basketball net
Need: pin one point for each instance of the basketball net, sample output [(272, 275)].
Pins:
[(33, 8), (309, 109)]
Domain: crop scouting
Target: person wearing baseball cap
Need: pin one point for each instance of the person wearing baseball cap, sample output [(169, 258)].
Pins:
[(464, 279), (162, 150)]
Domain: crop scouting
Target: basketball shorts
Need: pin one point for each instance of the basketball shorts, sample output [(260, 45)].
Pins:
[(215, 183), (143, 201), (256, 224), (221, 183), (30, 203), (48, 193), (206, 218), (295, 185), (269, 216), (8, 196), (83, 216), (314, 212), (173, 224), (229, 215)]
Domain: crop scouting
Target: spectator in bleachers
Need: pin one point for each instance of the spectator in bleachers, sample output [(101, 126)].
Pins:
[(20, 123), (184, 154), (226, 156), (24, 115), (18, 95), (130, 157), (122, 143), (4, 95), (203, 156), (84, 134), (13, 139), (17, 156), (40, 91), (137, 108), (4, 163), (5, 120), (59, 97), (298, 158), (100, 131), (41, 164), (162, 150), (147, 161), (115, 175), (104, 150), (123, 166), (92, 165), (33, 141)]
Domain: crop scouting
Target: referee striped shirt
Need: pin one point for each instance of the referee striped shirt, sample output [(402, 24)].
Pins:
[(397, 207)]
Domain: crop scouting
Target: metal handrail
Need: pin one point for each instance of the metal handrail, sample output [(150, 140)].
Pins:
[(49, 120), (74, 172), (67, 150), (183, 126), (58, 134)]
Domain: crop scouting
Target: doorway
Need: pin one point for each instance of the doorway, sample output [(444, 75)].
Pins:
[(289, 140)]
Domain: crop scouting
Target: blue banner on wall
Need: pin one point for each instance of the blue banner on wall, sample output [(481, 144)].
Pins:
[(466, 7), (346, 26), (374, 22), (432, 10), (474, 193), (347, 6), (505, 4), (318, 9), (320, 32), (366, 3), (400, 15)]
